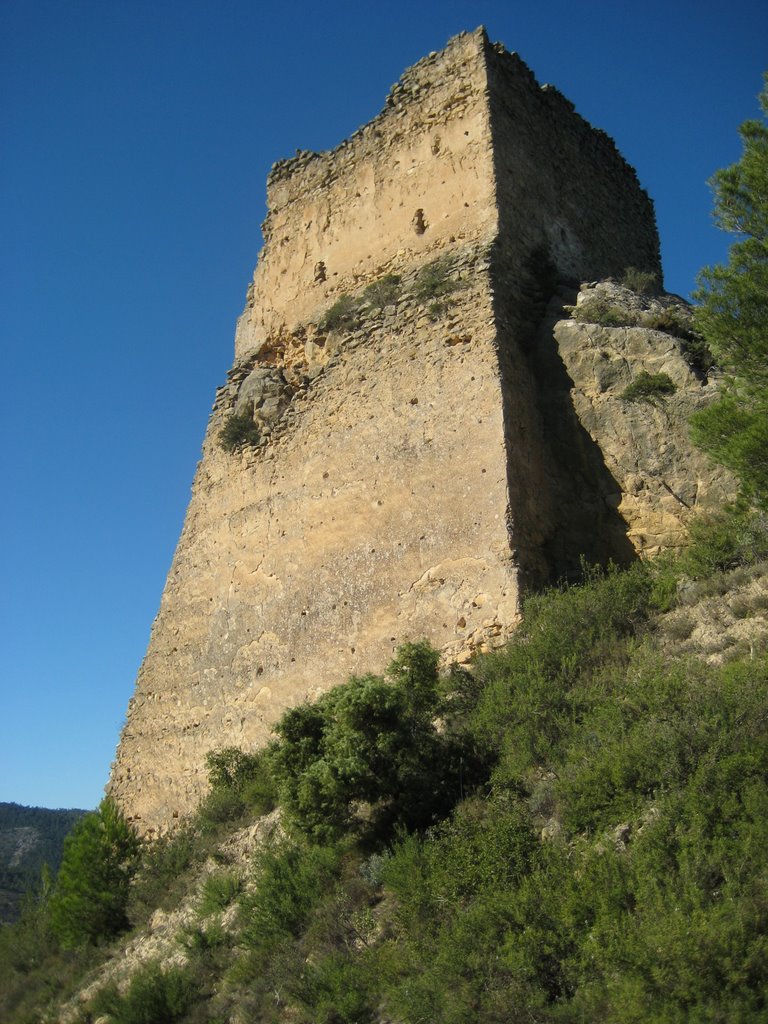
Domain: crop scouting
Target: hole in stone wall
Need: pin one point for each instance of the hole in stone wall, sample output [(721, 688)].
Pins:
[(418, 223), (320, 272)]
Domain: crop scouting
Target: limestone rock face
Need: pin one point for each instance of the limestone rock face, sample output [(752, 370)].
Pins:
[(446, 443), (660, 479)]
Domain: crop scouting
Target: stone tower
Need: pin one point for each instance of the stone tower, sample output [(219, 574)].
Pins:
[(406, 482)]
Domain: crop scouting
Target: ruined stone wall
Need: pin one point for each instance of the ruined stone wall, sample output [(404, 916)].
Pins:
[(419, 465), (416, 179)]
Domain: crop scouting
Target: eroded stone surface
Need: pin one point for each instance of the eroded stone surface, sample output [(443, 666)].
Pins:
[(660, 478)]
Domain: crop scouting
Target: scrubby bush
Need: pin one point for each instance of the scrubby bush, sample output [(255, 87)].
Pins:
[(291, 875), (723, 541), (344, 315), (162, 874), (154, 996), (670, 320), (218, 892), (372, 741), (240, 782), (383, 292), (435, 280), (598, 309), (221, 807), (678, 323), (641, 282), (239, 431), (648, 386)]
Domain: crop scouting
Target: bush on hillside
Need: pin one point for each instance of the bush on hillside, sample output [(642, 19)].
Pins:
[(155, 995), (435, 280), (372, 741), (384, 292), (343, 315)]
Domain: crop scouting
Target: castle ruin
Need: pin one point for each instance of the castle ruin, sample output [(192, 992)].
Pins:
[(421, 459)]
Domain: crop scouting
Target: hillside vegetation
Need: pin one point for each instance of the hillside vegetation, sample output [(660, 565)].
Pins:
[(30, 837), (574, 830)]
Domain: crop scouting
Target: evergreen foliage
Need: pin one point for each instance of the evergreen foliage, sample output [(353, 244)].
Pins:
[(598, 309), (156, 995), (600, 853), (372, 742), (384, 292), (648, 386), (239, 431), (90, 896), (435, 280), (30, 837), (343, 315), (733, 316)]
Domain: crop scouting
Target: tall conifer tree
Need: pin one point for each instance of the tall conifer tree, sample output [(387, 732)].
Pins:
[(733, 316)]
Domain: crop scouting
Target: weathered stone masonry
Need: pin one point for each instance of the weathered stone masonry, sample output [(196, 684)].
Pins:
[(415, 471)]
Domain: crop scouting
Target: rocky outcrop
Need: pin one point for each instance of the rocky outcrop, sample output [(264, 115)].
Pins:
[(632, 443)]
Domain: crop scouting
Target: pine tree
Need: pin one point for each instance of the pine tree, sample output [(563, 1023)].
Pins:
[(91, 892), (733, 316)]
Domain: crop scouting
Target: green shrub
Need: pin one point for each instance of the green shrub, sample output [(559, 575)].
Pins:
[(670, 321), (648, 386), (220, 807), (161, 874), (337, 989), (435, 280), (344, 315), (641, 282), (218, 892), (240, 782), (484, 846), (154, 996), (383, 292), (239, 431), (598, 309), (674, 321), (204, 942), (371, 743), (291, 878), (734, 537), (248, 774), (680, 627), (230, 767)]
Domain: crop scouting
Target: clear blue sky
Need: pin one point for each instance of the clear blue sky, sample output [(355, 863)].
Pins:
[(136, 137)]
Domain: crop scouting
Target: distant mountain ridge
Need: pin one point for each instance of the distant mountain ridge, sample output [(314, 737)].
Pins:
[(29, 838)]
